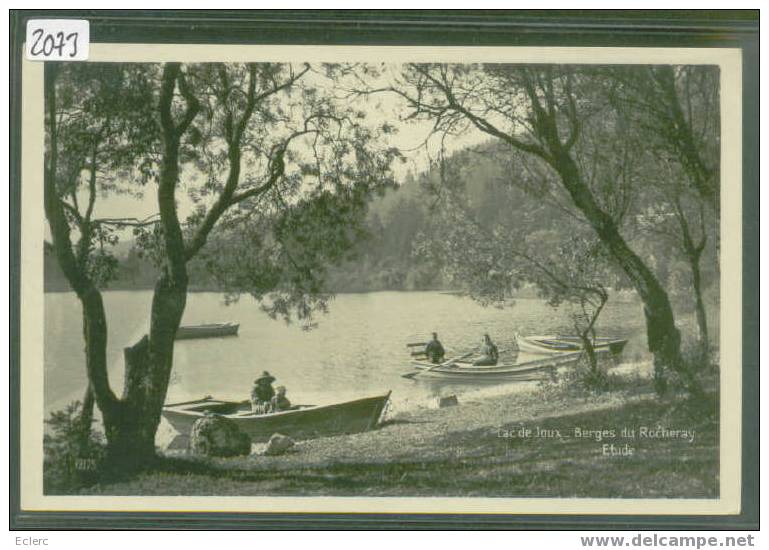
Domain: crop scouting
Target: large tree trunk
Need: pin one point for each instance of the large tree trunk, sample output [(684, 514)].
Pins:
[(86, 411), (95, 336), (131, 433), (130, 423), (85, 419), (148, 364)]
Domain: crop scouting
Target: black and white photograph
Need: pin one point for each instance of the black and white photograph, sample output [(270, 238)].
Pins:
[(400, 279)]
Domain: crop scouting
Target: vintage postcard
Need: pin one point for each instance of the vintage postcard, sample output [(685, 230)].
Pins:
[(500, 280)]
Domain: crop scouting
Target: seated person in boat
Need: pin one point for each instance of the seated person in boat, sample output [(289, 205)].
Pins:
[(489, 353), (262, 393), (434, 350), (279, 401)]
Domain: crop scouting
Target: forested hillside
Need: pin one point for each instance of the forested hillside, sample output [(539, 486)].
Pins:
[(390, 259)]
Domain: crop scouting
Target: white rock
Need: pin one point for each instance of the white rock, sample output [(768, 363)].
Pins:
[(278, 445)]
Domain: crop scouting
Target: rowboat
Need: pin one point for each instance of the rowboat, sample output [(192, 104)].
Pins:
[(536, 369), (548, 345), (212, 330), (301, 422)]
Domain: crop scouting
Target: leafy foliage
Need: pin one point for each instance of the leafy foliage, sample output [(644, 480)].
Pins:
[(491, 255), (104, 142), (73, 452), (310, 165)]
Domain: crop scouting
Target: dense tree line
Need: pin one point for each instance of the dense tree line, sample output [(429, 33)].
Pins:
[(391, 255)]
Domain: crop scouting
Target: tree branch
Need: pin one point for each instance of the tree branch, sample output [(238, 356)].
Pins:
[(169, 170), (128, 222), (481, 123), (91, 185), (54, 206), (276, 166), (193, 105)]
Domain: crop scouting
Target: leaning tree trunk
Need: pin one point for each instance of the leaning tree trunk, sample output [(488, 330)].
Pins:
[(663, 338), (693, 252), (587, 335), (94, 318), (702, 318), (587, 345)]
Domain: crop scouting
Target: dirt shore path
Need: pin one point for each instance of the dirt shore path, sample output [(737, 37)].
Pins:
[(426, 434)]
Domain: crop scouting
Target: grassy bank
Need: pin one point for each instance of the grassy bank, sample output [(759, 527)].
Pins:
[(481, 448)]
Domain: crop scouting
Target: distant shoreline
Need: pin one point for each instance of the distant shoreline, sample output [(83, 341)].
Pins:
[(525, 294), (447, 291)]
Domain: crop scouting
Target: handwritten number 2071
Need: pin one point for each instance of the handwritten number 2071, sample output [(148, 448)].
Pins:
[(45, 44)]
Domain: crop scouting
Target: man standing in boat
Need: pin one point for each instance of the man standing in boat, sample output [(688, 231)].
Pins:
[(434, 350), (262, 393), (489, 353)]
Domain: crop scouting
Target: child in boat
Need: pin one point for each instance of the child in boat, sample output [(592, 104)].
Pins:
[(280, 402), (262, 393), (434, 350), (489, 353)]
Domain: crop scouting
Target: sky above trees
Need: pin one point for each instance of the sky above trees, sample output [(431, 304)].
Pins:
[(409, 136)]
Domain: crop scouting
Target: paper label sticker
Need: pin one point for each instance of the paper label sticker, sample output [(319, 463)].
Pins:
[(57, 39)]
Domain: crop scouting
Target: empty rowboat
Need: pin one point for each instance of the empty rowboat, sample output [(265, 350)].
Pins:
[(212, 330), (548, 345), (301, 422)]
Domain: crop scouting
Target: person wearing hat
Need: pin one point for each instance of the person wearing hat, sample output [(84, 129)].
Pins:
[(489, 353), (262, 392)]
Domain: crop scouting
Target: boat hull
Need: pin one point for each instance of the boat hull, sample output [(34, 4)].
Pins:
[(549, 345), (207, 331), (537, 369), (306, 423)]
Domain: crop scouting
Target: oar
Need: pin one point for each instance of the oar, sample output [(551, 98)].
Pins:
[(444, 364), (206, 398)]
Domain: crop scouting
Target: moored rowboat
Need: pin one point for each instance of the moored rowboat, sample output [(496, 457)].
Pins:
[(548, 345), (212, 330), (536, 369), (303, 422)]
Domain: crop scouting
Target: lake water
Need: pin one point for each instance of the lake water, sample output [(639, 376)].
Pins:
[(358, 349)]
